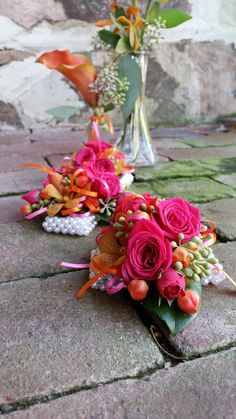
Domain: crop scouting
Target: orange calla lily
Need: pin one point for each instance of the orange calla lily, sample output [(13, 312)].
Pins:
[(75, 67)]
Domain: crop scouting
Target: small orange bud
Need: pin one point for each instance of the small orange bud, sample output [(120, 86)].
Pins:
[(26, 209), (43, 194), (190, 302), (138, 289), (181, 255)]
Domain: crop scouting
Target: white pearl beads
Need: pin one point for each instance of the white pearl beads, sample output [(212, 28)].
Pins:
[(70, 225)]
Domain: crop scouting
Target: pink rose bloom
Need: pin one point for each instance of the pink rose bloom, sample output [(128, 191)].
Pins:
[(128, 201), (177, 216), (108, 186), (84, 156), (148, 252), (98, 146), (113, 182), (171, 285), (104, 165), (32, 196)]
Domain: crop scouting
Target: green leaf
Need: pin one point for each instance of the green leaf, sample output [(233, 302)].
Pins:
[(123, 45), (131, 36), (173, 17), (102, 217), (109, 107), (153, 12), (172, 316), (109, 37), (63, 112), (131, 70), (119, 12)]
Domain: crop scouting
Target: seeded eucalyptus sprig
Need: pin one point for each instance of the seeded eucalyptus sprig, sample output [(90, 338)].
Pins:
[(200, 260)]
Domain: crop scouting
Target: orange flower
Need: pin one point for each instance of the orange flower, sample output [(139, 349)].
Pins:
[(132, 28), (108, 261), (103, 23), (75, 67)]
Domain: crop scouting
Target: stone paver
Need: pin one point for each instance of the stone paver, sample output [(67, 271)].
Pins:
[(10, 209), (229, 180), (174, 170), (224, 166), (193, 189), (55, 160), (215, 140), (27, 250), (13, 157), (215, 328), (56, 135), (21, 181), (204, 388), (14, 137), (52, 342), (200, 153), (169, 143), (223, 214), (46, 148)]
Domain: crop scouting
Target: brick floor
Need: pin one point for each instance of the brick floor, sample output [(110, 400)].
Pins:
[(94, 356)]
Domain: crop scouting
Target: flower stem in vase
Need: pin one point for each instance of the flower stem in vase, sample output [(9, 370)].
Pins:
[(135, 139)]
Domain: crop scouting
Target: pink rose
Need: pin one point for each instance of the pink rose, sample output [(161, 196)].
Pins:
[(103, 166), (177, 216), (84, 156), (171, 285), (108, 186), (148, 252), (128, 201), (32, 197), (98, 146)]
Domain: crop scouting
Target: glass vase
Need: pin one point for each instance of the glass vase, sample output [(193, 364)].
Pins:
[(135, 139)]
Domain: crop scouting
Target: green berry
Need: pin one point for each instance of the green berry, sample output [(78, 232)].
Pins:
[(121, 219), (179, 266)]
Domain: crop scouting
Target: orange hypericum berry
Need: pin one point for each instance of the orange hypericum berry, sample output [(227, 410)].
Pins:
[(181, 255), (190, 302), (26, 209), (138, 289)]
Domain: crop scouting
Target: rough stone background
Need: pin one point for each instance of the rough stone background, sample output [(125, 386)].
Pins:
[(191, 74)]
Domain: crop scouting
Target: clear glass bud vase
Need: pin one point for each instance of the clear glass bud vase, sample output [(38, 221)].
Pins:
[(135, 139)]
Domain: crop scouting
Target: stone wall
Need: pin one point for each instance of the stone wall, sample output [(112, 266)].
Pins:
[(191, 74)]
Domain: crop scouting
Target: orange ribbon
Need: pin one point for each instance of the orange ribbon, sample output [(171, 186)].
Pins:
[(38, 166)]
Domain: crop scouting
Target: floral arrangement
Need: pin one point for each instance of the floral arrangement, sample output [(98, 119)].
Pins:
[(160, 251), (85, 187), (119, 82), (129, 31)]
